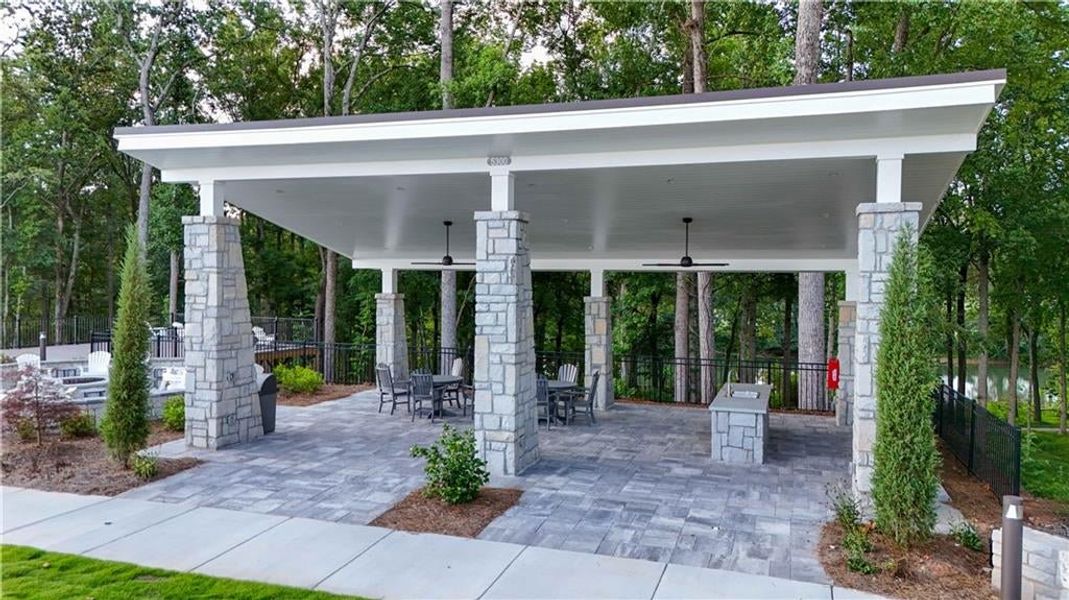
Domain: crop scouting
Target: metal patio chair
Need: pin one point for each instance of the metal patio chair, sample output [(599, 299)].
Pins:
[(580, 401), (421, 390), (390, 391), (545, 403)]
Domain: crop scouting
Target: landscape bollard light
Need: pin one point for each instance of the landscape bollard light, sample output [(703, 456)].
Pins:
[(42, 346), (1012, 547)]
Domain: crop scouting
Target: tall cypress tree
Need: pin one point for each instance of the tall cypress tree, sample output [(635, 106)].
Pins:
[(905, 481), (125, 427)]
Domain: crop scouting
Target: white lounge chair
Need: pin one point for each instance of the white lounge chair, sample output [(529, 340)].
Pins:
[(261, 336), (99, 363), (28, 360), (173, 379)]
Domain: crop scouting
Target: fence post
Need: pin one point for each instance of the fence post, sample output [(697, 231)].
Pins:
[(42, 346), (972, 434), (1012, 547), (18, 331)]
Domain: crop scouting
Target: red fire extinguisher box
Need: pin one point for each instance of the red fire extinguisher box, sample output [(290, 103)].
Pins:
[(833, 373)]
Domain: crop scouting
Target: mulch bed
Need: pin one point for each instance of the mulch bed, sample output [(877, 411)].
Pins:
[(980, 506), (419, 513), (325, 394), (80, 466), (939, 568)]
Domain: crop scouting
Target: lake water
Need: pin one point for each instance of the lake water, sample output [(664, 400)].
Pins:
[(998, 381)]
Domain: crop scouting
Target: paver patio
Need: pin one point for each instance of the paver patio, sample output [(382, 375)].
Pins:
[(639, 484)]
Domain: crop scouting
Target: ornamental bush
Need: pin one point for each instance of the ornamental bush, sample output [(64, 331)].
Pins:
[(36, 405), (298, 379), (904, 481), (125, 424), (174, 413), (454, 471)]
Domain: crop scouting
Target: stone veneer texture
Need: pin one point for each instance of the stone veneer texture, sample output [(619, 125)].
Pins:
[(222, 398), (506, 423), (598, 353)]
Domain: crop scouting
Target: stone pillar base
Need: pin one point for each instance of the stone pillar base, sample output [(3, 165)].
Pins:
[(878, 226), (506, 421), (391, 341), (598, 354), (222, 395)]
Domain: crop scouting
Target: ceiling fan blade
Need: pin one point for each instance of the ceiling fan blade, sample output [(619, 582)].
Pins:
[(436, 262), (463, 263), (718, 264), (671, 264)]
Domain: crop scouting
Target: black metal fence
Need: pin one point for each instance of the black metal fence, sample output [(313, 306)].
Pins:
[(988, 446), (795, 385), (25, 333)]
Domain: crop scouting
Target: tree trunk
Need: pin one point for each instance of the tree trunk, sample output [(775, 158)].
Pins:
[(810, 285), (109, 277), (950, 340), (1015, 357), (788, 327), (810, 338), (1033, 373), (982, 312), (807, 44), (445, 71), (681, 329), (748, 332), (448, 314), (901, 31), (172, 290), (329, 302), (148, 112), (688, 63), (1063, 361), (696, 30), (963, 281), (706, 336)]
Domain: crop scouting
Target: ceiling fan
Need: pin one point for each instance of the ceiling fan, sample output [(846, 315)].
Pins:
[(686, 262), (447, 260)]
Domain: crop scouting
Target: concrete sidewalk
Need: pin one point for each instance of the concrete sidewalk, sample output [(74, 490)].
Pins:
[(356, 559)]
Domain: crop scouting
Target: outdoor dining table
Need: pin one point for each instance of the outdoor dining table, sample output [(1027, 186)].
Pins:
[(440, 383), (557, 386)]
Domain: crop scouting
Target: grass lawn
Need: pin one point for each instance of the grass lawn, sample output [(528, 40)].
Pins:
[(1049, 416), (1047, 474), (31, 573)]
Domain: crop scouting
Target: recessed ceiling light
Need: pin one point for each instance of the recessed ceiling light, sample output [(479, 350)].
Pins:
[(400, 188), (279, 192)]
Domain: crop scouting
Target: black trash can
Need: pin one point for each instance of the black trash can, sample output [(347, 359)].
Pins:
[(268, 400)]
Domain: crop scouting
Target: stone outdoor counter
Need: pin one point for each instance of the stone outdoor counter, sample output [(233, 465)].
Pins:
[(739, 416)]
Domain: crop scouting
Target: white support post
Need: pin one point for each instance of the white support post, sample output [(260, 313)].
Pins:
[(502, 184), (889, 178), (211, 198), (597, 282), (389, 281)]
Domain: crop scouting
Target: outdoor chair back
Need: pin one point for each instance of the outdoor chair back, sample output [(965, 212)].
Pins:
[(569, 373), (388, 390), (421, 390), (99, 363), (585, 406), (458, 368), (28, 360), (261, 335), (543, 404)]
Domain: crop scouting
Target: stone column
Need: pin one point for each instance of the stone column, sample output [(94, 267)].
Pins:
[(447, 298), (598, 324), (391, 341), (506, 422), (222, 396), (844, 401), (878, 226)]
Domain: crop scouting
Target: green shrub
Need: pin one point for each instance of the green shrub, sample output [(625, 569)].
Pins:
[(905, 481), (26, 430), (81, 425), (843, 503), (966, 534), (125, 425), (298, 379), (174, 413), (145, 466), (858, 563), (454, 471)]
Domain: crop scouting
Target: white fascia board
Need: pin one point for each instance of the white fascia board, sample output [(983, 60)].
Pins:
[(931, 144), (739, 265), (858, 101)]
